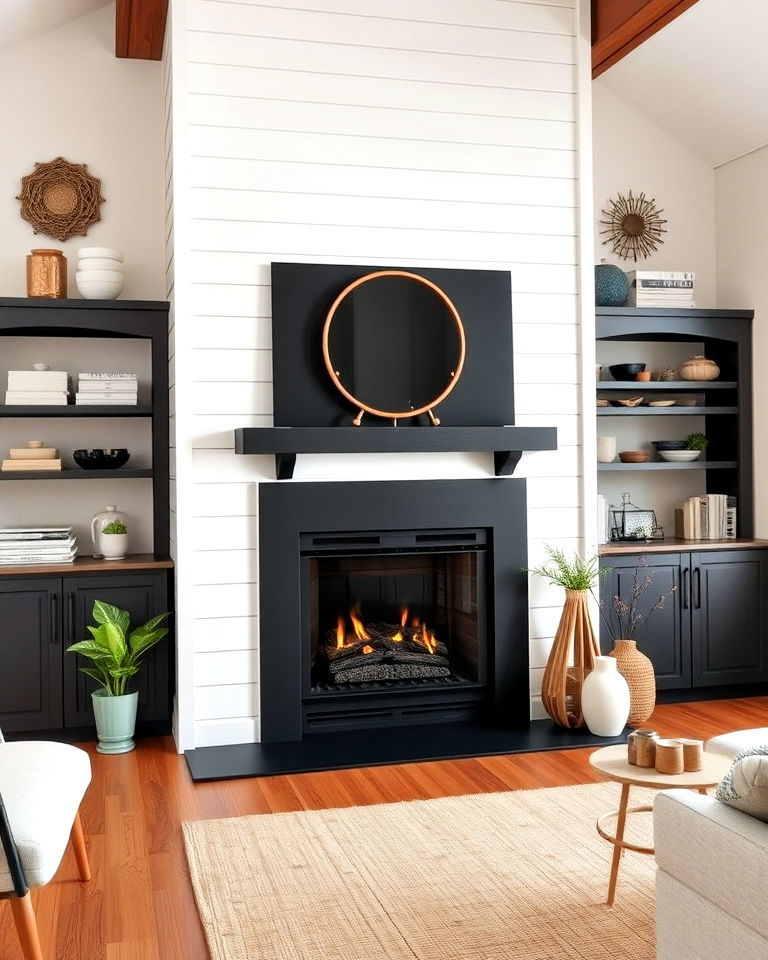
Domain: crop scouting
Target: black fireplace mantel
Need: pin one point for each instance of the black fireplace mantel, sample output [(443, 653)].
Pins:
[(507, 443)]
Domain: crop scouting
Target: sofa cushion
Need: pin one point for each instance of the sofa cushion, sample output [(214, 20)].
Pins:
[(715, 850), (729, 744), (745, 786), (42, 785)]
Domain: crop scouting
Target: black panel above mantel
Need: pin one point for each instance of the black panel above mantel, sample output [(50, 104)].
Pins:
[(507, 443)]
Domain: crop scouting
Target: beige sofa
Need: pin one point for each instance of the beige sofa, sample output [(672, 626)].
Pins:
[(712, 876)]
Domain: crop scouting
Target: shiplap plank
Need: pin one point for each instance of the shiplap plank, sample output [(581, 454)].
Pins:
[(529, 338), (222, 466), (354, 150), (342, 179), (238, 599), (545, 397), (406, 242), (255, 206), (217, 332), (213, 398), (568, 425), (223, 365), (233, 700), (225, 566), (237, 499), (540, 16), (306, 86), (263, 114), (561, 368), (239, 534), (554, 491), (216, 733), (224, 633), (212, 432), (228, 667)]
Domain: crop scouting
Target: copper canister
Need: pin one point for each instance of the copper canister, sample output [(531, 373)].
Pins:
[(46, 274), (641, 748)]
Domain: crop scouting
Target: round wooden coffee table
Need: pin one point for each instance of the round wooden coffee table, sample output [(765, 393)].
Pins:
[(612, 762)]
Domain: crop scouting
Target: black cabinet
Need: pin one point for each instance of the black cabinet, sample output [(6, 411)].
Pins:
[(40, 685), (30, 655), (713, 630)]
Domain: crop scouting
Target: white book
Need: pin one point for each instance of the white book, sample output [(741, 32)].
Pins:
[(107, 376), (661, 275), (51, 531), (37, 380), (105, 399), (35, 399), (40, 558), (107, 386), (38, 546)]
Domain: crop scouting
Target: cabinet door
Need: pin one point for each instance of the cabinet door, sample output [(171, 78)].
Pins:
[(666, 637), (144, 595), (30, 655), (729, 616)]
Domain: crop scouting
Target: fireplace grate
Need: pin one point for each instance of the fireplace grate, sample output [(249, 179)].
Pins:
[(453, 679)]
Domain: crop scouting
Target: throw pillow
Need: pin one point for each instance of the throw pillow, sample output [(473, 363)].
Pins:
[(745, 786)]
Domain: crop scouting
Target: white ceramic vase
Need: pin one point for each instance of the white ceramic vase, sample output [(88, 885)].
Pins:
[(606, 449), (605, 699)]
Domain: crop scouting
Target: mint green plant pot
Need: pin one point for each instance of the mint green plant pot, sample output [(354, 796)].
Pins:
[(115, 721)]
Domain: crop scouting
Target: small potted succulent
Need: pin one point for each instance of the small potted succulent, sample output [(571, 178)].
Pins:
[(113, 540), (116, 653), (696, 441)]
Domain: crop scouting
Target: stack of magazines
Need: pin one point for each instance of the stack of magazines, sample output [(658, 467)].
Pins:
[(97, 389), (661, 288), (20, 545)]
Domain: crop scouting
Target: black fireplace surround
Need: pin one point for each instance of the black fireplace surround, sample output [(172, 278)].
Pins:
[(393, 615)]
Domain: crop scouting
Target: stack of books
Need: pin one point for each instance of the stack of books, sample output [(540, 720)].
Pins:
[(47, 388), (119, 389), (661, 288), (709, 517), (20, 545), (32, 457)]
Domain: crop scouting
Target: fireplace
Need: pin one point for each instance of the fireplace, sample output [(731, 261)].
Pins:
[(394, 626)]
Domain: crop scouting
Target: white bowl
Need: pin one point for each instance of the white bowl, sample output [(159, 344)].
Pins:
[(98, 263), (110, 253), (679, 456), (111, 276), (99, 289)]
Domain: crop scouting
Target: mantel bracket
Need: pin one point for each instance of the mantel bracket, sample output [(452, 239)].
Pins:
[(505, 462)]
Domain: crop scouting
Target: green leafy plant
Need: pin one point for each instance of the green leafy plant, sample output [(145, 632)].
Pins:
[(114, 652), (696, 441), (572, 573), (115, 526)]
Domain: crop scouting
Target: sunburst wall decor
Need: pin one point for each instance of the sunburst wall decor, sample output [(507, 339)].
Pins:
[(61, 199), (633, 226)]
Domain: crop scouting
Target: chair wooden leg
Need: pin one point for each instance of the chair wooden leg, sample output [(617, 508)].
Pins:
[(78, 845), (26, 926)]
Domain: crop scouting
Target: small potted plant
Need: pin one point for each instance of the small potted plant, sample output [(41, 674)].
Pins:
[(116, 653), (113, 540), (696, 441)]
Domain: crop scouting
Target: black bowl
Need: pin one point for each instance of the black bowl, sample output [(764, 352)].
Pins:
[(670, 444), (101, 459), (626, 371)]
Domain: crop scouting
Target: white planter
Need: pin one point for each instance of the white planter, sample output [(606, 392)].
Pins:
[(113, 546), (606, 449), (605, 699)]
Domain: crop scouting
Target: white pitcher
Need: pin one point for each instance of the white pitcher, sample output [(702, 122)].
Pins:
[(110, 546)]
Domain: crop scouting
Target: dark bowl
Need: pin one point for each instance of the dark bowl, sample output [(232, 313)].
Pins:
[(101, 459), (626, 371), (670, 444)]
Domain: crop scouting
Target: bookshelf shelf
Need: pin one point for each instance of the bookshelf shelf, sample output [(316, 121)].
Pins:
[(655, 465), (123, 473), (71, 410), (678, 386), (666, 411)]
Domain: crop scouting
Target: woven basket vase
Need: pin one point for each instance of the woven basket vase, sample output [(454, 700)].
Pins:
[(637, 670), (572, 657)]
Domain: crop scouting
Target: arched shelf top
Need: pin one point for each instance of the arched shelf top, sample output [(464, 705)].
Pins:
[(124, 319)]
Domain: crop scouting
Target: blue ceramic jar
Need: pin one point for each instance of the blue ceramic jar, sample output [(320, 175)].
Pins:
[(611, 285)]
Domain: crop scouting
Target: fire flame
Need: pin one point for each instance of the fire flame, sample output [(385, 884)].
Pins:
[(340, 633), (367, 648), (357, 625), (403, 616), (428, 639), (398, 637)]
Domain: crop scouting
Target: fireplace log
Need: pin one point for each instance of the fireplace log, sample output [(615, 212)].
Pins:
[(372, 672)]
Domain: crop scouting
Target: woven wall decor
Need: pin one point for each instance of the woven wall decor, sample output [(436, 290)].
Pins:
[(633, 226), (61, 199)]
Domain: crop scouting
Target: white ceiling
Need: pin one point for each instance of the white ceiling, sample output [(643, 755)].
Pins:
[(22, 19), (704, 78)]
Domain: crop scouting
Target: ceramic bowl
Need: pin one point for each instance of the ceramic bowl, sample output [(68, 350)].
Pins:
[(634, 456), (670, 444), (679, 456), (101, 459), (99, 263), (626, 371), (99, 289), (110, 276), (628, 402), (110, 253)]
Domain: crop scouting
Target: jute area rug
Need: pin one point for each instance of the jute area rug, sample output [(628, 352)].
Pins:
[(504, 876)]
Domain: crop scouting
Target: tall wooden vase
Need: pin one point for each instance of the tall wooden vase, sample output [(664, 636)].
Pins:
[(564, 674), (637, 670)]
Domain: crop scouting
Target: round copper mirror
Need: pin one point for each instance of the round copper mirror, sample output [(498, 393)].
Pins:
[(394, 345)]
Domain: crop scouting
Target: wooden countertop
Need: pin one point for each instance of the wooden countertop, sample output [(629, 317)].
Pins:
[(675, 545), (89, 564)]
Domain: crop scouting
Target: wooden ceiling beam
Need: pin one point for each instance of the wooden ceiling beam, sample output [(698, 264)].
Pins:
[(140, 29), (618, 26)]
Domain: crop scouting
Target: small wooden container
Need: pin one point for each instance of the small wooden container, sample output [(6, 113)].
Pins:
[(669, 756), (47, 274), (641, 748), (693, 755)]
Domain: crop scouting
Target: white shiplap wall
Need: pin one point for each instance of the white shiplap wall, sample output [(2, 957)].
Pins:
[(440, 133)]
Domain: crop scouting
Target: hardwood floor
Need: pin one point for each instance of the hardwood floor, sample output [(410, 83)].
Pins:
[(139, 904)]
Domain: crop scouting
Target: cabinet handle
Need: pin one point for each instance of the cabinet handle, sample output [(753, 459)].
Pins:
[(686, 587), (71, 616), (697, 588), (54, 620)]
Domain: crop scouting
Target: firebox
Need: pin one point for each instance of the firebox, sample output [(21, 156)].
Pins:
[(394, 626)]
